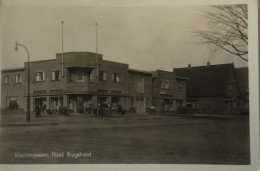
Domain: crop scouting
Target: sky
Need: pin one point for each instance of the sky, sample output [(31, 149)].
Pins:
[(145, 37)]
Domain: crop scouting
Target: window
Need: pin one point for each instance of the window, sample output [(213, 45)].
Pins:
[(39, 76), (6, 79), (140, 79), (90, 76), (162, 83), (166, 84), (182, 87), (18, 78), (147, 81), (55, 75), (116, 78), (80, 76), (12, 103), (102, 76)]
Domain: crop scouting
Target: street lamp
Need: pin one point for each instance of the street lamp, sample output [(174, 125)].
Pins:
[(28, 96)]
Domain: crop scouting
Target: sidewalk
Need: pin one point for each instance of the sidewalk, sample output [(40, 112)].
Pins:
[(27, 124)]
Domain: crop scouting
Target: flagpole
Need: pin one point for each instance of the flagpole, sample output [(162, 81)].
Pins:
[(62, 62), (97, 47)]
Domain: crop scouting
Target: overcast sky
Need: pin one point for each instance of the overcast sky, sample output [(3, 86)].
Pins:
[(147, 38)]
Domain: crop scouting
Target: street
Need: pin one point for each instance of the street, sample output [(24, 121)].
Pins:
[(129, 139)]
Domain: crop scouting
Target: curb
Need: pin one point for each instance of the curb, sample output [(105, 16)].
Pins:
[(27, 124)]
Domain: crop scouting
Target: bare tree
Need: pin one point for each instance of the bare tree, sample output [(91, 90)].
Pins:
[(227, 29)]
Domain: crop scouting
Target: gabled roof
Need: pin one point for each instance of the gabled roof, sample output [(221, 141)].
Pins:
[(242, 78), (206, 81)]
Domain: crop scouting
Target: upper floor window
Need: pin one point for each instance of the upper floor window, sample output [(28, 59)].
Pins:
[(116, 78), (182, 87), (18, 78), (6, 79), (140, 79), (90, 76), (55, 75), (162, 83), (80, 76), (102, 76), (39, 76), (166, 84)]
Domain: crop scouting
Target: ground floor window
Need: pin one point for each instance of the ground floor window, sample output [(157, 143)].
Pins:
[(13, 103), (56, 102)]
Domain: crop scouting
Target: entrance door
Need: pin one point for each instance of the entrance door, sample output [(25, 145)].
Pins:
[(140, 104), (40, 100)]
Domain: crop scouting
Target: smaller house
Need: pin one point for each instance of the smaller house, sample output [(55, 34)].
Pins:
[(140, 90), (212, 88), (169, 91)]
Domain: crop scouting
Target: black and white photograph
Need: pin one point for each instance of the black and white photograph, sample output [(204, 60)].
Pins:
[(120, 82)]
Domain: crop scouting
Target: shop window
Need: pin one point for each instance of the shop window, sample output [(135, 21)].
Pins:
[(6, 79), (39, 76), (13, 103), (18, 78), (55, 75)]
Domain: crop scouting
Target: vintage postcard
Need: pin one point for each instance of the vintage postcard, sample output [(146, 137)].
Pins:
[(150, 85)]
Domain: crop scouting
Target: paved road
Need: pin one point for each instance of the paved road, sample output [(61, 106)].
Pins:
[(128, 139)]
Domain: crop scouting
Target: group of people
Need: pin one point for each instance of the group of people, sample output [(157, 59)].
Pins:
[(41, 109), (104, 109)]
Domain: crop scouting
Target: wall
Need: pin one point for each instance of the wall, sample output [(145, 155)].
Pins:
[(138, 89), (13, 89)]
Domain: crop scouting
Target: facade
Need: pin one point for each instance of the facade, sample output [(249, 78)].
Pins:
[(12, 89), (140, 90), (84, 79), (169, 91), (212, 88), (242, 77)]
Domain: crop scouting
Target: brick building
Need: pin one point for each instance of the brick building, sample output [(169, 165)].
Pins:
[(13, 86), (242, 77), (85, 78), (212, 88), (140, 90), (169, 91)]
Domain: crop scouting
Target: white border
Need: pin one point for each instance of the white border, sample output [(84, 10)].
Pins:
[(253, 86)]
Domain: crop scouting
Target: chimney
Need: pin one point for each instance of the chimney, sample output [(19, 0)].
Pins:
[(208, 64)]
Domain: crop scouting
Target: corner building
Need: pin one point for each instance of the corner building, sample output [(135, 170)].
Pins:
[(81, 78)]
